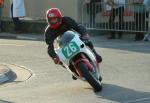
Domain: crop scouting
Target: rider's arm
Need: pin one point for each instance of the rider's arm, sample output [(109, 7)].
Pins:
[(75, 26), (49, 39)]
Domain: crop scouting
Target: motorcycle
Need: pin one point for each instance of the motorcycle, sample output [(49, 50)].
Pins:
[(79, 60)]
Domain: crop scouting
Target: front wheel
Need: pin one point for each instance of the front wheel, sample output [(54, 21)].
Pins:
[(89, 77)]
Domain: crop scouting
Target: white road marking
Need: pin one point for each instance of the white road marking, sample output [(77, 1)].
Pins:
[(24, 37), (11, 45)]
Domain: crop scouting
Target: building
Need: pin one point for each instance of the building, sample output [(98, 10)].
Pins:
[(36, 9)]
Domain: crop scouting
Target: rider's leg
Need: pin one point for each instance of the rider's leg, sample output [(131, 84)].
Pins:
[(90, 45), (74, 71)]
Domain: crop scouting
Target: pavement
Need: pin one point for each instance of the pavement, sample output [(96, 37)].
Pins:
[(24, 36), (28, 25)]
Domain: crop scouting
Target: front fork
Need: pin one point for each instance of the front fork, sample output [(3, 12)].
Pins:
[(83, 59)]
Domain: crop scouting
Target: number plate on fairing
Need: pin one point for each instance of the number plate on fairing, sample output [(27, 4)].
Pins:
[(70, 49)]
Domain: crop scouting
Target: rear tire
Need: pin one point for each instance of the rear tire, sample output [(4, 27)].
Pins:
[(90, 78)]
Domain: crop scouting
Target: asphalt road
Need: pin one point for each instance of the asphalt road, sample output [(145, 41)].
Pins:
[(125, 71)]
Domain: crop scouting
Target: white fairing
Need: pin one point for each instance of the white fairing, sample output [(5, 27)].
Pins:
[(85, 49)]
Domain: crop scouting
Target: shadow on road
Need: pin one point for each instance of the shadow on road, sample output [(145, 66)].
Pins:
[(122, 44), (3, 101), (122, 95), (125, 44), (28, 37), (12, 76)]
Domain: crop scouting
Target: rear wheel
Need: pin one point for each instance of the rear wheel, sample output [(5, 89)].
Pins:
[(90, 78)]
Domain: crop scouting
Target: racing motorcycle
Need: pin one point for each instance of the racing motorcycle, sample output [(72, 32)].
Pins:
[(79, 60)]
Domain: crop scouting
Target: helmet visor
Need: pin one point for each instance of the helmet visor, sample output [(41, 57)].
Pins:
[(53, 21)]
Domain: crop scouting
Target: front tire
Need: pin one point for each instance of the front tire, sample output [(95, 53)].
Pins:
[(90, 78)]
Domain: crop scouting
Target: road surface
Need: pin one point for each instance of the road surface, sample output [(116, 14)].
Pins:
[(125, 71)]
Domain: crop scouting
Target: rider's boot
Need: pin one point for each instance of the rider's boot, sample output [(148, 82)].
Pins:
[(73, 77), (98, 57), (74, 71), (90, 45)]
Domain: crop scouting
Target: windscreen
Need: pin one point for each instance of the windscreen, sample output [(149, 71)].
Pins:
[(66, 38)]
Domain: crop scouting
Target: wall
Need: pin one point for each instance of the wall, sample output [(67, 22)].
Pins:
[(36, 8)]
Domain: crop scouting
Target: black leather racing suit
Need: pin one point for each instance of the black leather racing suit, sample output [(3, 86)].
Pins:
[(51, 34)]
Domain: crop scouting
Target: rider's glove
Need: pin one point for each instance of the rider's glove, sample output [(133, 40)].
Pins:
[(85, 38), (56, 60)]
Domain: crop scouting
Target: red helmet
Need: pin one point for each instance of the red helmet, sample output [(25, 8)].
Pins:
[(54, 17)]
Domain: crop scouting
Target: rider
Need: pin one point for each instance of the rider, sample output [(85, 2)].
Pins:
[(57, 25)]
